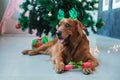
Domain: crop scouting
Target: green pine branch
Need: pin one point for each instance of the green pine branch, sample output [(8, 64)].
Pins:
[(43, 14)]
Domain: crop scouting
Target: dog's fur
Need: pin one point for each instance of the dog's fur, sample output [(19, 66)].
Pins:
[(71, 44)]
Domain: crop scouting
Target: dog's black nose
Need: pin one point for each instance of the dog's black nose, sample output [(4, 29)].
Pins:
[(59, 33)]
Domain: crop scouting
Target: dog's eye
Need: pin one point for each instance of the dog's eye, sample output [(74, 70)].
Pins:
[(58, 24), (67, 25)]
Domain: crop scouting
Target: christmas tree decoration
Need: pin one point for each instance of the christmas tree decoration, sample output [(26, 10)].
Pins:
[(39, 41), (34, 31), (43, 15), (45, 39), (99, 24), (49, 14), (36, 43), (17, 26)]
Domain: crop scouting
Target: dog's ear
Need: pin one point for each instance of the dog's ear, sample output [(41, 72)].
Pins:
[(79, 27)]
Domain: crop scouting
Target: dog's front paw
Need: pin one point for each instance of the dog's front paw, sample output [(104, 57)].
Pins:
[(87, 70), (31, 53), (59, 68)]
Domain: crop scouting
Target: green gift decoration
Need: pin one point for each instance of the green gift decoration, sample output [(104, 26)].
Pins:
[(39, 42)]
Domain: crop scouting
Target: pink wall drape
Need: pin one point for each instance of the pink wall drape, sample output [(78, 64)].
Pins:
[(13, 5)]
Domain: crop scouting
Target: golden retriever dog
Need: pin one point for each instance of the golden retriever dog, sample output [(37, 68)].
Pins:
[(71, 44)]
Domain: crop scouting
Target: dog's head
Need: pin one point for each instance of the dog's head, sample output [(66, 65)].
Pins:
[(67, 29)]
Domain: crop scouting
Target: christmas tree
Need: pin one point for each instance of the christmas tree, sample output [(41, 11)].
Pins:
[(41, 15)]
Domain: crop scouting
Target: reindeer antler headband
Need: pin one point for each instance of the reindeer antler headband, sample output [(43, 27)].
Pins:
[(72, 13)]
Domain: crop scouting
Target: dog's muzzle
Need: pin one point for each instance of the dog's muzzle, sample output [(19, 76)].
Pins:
[(59, 33)]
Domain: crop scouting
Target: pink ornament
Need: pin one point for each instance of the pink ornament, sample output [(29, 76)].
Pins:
[(17, 26), (34, 31)]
